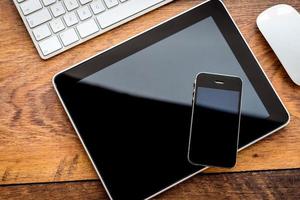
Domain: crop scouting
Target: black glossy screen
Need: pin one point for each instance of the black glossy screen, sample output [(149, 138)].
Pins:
[(132, 104), (215, 127), (136, 113)]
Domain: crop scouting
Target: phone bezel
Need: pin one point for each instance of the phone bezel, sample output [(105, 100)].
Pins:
[(210, 80)]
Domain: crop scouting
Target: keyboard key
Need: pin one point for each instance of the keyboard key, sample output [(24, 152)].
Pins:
[(124, 10), (48, 2), (38, 18), (50, 45), (69, 37), (87, 28), (30, 6), (84, 1), (71, 4), (70, 19), (111, 3), (57, 9), (84, 13), (41, 32), (97, 6), (19, 1), (57, 25)]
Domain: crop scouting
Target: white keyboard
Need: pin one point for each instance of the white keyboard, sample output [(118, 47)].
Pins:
[(57, 25)]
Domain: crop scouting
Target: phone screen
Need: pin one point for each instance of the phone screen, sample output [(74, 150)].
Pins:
[(215, 121)]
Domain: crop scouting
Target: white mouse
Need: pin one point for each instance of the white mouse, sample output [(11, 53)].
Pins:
[(280, 25)]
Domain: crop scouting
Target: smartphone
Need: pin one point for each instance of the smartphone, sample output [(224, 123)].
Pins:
[(215, 121)]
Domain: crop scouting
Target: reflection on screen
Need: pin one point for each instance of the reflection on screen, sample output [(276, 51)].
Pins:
[(218, 99), (166, 70)]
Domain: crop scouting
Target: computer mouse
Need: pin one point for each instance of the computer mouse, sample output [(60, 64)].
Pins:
[(280, 25)]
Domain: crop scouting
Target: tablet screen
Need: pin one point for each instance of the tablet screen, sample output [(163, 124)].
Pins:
[(131, 104), (141, 107), (165, 71)]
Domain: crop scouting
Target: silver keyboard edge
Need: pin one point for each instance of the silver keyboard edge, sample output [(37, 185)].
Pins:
[(36, 44)]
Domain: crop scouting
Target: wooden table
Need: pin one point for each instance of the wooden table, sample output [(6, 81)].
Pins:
[(42, 158)]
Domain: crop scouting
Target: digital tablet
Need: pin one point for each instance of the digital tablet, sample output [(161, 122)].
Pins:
[(131, 104)]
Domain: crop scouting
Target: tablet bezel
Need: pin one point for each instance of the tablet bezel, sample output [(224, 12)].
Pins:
[(64, 80)]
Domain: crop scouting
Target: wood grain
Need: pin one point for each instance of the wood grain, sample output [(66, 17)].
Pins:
[(248, 185), (37, 142)]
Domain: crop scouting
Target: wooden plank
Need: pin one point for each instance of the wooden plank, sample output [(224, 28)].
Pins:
[(37, 141), (248, 185)]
